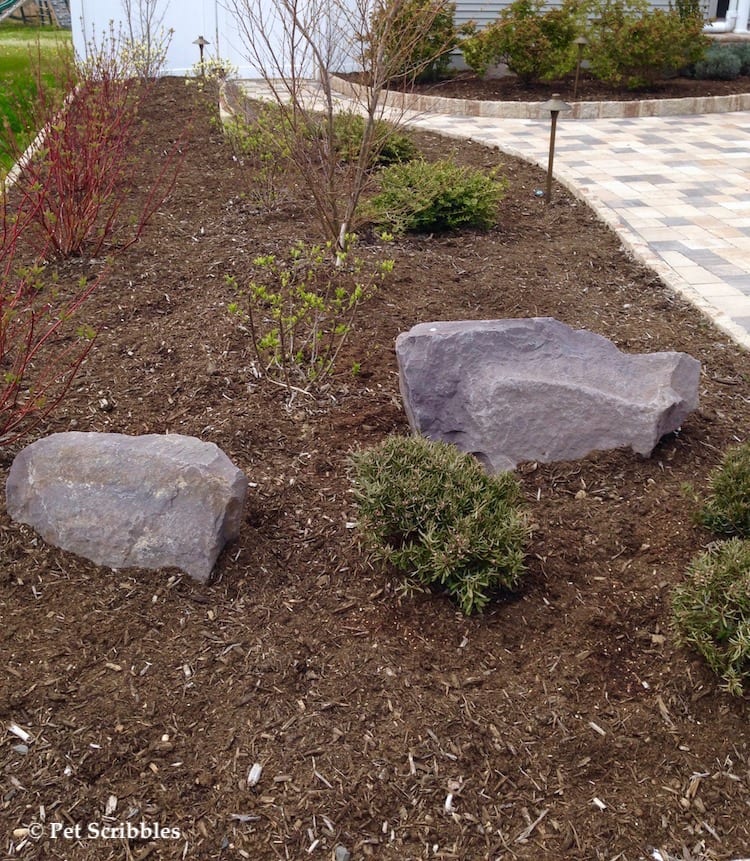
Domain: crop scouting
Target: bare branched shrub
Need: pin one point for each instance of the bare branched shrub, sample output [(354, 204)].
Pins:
[(42, 343), (147, 40), (292, 43), (77, 178)]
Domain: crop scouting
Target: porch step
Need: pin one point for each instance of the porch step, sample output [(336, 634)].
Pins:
[(60, 11)]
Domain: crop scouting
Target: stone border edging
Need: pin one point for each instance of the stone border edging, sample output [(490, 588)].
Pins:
[(533, 110)]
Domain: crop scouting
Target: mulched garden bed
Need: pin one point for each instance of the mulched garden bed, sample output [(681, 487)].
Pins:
[(563, 721)]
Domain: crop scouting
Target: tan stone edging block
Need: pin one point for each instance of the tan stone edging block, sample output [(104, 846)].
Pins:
[(533, 110)]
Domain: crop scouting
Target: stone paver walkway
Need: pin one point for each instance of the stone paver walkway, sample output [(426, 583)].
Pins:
[(676, 189)]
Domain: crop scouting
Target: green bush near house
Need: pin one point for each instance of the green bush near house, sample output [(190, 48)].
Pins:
[(711, 611), (438, 517), (631, 44), (417, 37), (628, 42), (436, 196), (534, 42), (726, 511)]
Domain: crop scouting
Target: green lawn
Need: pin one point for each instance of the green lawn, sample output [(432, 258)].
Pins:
[(27, 54)]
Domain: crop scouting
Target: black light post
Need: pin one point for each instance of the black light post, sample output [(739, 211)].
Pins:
[(554, 106), (201, 43), (581, 42)]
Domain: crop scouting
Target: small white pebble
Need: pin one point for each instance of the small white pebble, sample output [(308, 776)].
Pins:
[(253, 776)]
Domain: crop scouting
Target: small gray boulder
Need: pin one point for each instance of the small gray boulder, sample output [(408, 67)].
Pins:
[(526, 389), (151, 501)]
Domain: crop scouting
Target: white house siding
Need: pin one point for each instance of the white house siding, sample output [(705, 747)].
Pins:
[(215, 20), (189, 19), (484, 13)]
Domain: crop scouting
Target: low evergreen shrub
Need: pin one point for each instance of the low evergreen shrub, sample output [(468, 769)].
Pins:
[(390, 146), (718, 64), (434, 514), (727, 509), (436, 196), (711, 611)]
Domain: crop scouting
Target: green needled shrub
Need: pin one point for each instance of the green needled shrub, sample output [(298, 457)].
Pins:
[(433, 513), (711, 611), (390, 146), (435, 196), (727, 509)]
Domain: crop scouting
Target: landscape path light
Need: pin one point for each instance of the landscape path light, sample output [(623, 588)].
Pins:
[(554, 106), (201, 43), (581, 42)]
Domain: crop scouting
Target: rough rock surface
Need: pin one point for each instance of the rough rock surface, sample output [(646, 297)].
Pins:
[(149, 501), (534, 389)]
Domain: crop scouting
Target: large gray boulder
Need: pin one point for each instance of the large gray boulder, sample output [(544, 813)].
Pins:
[(150, 501), (534, 389)]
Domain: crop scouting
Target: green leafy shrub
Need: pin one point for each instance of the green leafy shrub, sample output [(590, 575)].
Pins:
[(718, 64), (299, 311), (536, 44), (437, 516), (416, 38), (436, 196), (390, 146), (689, 8), (637, 46), (711, 611), (259, 145), (727, 509), (482, 48)]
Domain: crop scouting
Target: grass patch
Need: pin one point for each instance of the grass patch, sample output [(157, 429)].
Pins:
[(30, 57)]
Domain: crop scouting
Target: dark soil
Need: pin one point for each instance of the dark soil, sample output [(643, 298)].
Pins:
[(564, 722), (507, 88)]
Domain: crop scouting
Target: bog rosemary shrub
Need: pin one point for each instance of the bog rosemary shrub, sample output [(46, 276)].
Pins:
[(727, 509), (742, 51), (437, 516), (711, 611), (436, 196), (299, 309), (718, 64)]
